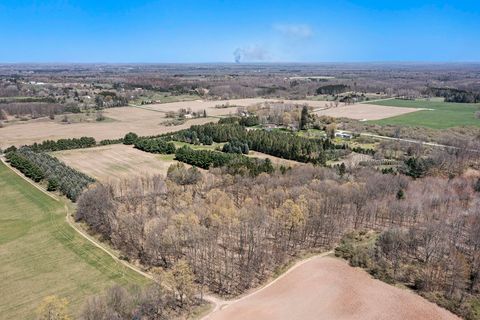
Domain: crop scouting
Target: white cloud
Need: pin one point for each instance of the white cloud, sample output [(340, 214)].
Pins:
[(302, 31)]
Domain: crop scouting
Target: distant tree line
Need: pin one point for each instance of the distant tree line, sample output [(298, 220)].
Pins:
[(106, 142), (248, 121), (36, 109), (455, 95)]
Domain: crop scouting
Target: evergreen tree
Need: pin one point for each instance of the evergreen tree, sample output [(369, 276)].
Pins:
[(304, 118), (130, 138)]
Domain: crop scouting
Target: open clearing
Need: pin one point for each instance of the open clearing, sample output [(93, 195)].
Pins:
[(328, 288), (364, 111), (114, 162), (42, 255), (440, 115)]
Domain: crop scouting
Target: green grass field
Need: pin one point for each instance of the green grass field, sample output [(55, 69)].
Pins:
[(443, 114), (41, 255)]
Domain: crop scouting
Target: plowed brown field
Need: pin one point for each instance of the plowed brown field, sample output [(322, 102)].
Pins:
[(328, 288)]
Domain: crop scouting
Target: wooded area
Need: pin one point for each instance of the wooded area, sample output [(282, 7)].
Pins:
[(38, 166), (235, 231)]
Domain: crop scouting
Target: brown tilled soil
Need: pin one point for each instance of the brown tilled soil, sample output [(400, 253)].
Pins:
[(127, 119), (149, 120), (362, 111), (121, 121), (114, 162), (327, 288)]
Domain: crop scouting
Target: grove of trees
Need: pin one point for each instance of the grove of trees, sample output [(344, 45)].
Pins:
[(68, 181), (234, 163), (155, 146), (276, 143)]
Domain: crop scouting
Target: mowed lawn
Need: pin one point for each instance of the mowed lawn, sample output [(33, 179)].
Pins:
[(443, 114), (41, 255)]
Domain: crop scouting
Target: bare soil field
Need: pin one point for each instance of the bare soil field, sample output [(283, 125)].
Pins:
[(114, 162), (210, 105), (126, 119), (144, 120), (328, 288), (363, 111), (149, 120)]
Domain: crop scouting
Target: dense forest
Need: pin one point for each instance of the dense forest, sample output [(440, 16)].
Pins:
[(275, 143), (234, 231), (233, 163)]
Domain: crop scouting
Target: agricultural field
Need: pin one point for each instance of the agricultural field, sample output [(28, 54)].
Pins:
[(42, 255), (124, 120), (114, 162), (144, 120), (224, 107), (435, 114), (364, 111), (165, 97), (328, 288)]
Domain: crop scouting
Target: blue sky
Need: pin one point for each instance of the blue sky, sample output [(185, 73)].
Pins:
[(249, 31)]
